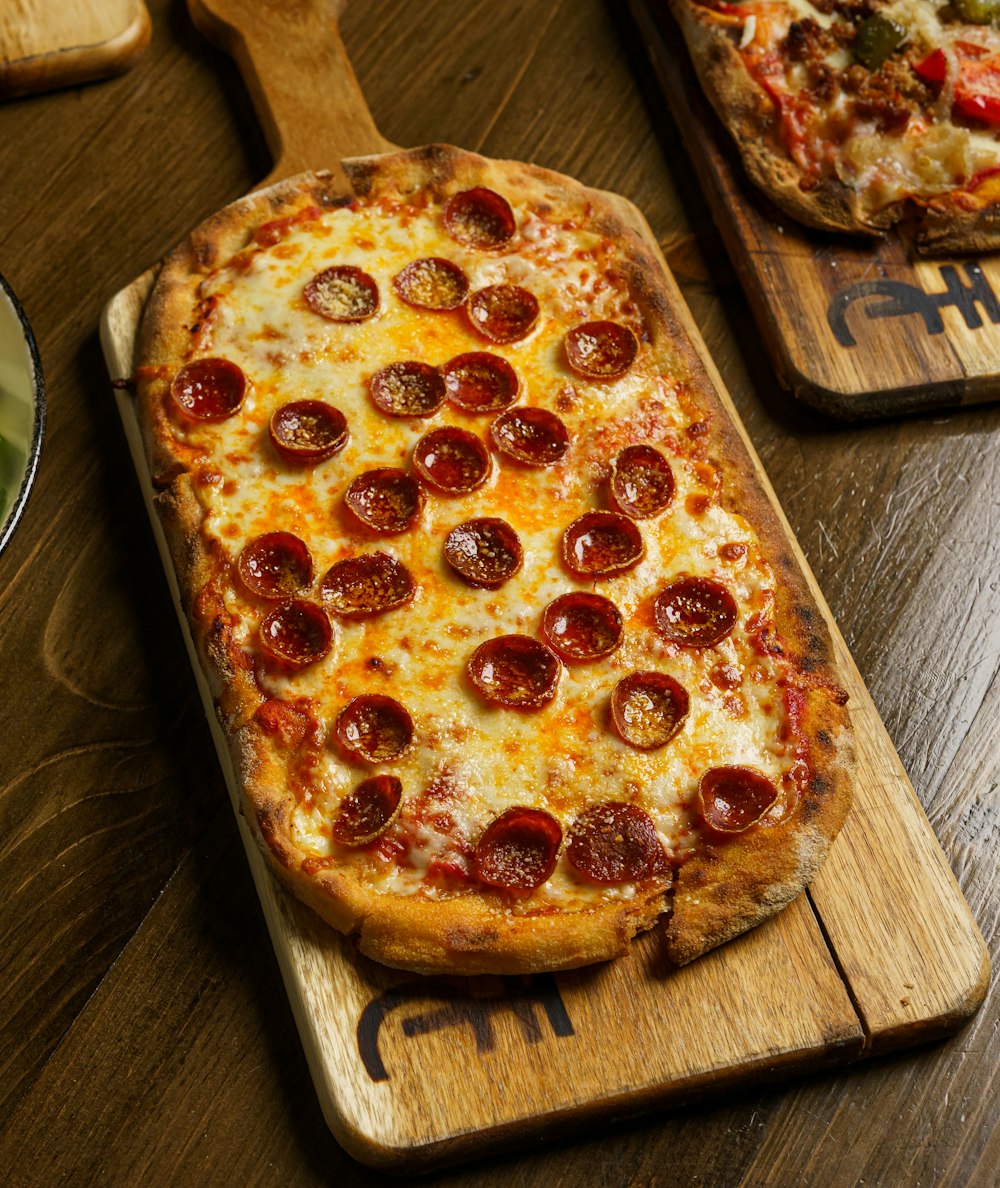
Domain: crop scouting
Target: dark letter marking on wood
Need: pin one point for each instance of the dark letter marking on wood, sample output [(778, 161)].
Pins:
[(902, 298), (461, 1008)]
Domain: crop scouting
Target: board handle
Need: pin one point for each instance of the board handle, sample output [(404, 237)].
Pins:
[(299, 77)]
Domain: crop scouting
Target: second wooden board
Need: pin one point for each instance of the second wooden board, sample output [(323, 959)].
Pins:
[(854, 328)]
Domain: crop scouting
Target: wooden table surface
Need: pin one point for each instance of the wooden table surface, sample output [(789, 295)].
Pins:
[(144, 1032)]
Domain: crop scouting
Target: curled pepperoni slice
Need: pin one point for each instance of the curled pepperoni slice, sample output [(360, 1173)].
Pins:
[(601, 350), (308, 431), (734, 798), (518, 851), (515, 671), (368, 811), (642, 483), (503, 313), (481, 382), (408, 389), (485, 552), (695, 612), (209, 389), (452, 460), (296, 633), (432, 283), (342, 293), (581, 626), (374, 727), (648, 708), (480, 218), (358, 587), (387, 500), (601, 544), (531, 436), (275, 566), (615, 842)]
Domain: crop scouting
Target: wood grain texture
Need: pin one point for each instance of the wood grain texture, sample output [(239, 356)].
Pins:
[(855, 327), (60, 43), (158, 1044)]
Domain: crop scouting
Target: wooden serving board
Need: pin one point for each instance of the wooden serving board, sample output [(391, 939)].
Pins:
[(60, 43), (855, 328), (413, 1071)]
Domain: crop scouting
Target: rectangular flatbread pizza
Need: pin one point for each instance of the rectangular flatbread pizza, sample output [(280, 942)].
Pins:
[(508, 645)]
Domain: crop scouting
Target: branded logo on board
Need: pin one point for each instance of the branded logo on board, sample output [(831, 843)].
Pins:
[(524, 998), (899, 298)]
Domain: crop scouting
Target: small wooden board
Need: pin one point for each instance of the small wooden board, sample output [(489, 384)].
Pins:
[(59, 43), (854, 328), (413, 1071)]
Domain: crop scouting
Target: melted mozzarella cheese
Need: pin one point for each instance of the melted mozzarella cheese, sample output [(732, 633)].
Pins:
[(470, 761)]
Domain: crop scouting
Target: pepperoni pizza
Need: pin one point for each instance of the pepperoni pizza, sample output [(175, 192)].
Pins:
[(507, 643), (862, 115)]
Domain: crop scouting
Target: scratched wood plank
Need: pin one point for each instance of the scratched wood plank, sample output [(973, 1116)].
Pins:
[(854, 328)]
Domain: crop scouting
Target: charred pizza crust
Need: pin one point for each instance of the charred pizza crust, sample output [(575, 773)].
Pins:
[(731, 882), (966, 219)]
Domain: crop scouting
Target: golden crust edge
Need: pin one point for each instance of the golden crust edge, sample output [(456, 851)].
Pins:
[(472, 932)]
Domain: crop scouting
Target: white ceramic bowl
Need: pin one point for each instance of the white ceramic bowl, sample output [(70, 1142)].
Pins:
[(22, 411)]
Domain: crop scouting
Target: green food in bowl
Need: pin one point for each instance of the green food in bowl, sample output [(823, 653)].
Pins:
[(22, 411)]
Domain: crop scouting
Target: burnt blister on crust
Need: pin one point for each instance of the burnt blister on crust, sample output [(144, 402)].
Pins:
[(812, 803)]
